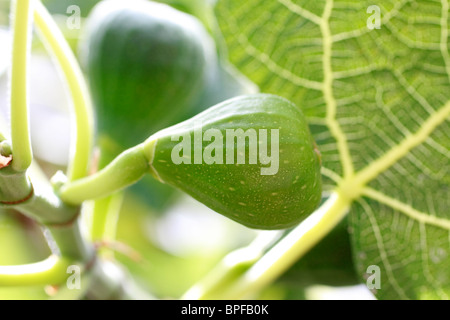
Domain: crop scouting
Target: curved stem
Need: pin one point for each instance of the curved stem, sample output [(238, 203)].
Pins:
[(126, 169), (288, 250), (15, 187), (67, 293), (105, 215), (52, 270), (110, 281), (71, 241), (57, 45), (20, 135), (232, 266), (41, 204)]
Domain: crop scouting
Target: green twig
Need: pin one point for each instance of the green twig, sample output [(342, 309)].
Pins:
[(16, 191), (20, 135), (15, 187), (126, 169), (84, 123), (69, 293), (52, 270), (105, 215), (71, 241)]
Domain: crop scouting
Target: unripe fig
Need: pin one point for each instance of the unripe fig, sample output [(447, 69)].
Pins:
[(250, 158), (146, 64)]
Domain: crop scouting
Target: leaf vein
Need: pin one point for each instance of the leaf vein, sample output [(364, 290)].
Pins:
[(409, 42), (295, 8), (382, 249), (330, 100), (444, 36), (275, 68), (359, 32), (426, 265), (399, 151), (413, 92), (406, 209)]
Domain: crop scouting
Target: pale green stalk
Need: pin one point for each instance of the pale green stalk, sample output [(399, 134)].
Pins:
[(126, 169), (20, 135), (285, 253), (49, 271), (68, 293), (232, 266), (71, 241), (105, 215), (82, 107)]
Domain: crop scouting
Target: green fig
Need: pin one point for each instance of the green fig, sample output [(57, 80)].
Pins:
[(250, 158), (146, 63)]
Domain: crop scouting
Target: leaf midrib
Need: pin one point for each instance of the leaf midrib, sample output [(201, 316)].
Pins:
[(406, 209)]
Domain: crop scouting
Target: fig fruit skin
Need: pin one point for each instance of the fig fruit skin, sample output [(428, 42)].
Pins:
[(242, 192)]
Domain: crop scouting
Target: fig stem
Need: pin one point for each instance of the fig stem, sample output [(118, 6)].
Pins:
[(126, 169), (105, 215), (287, 251), (232, 267), (57, 46), (49, 271), (20, 135)]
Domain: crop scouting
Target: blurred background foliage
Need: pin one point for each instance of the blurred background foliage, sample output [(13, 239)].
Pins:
[(166, 244)]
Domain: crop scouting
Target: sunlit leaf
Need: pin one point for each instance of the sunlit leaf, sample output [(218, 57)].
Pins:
[(378, 102)]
